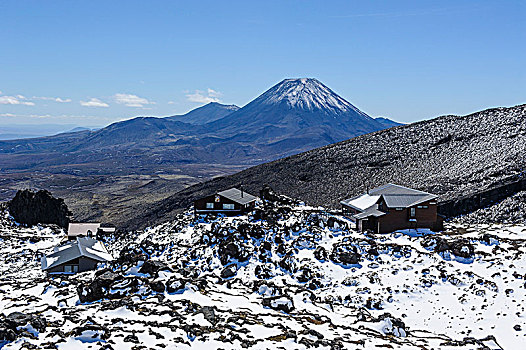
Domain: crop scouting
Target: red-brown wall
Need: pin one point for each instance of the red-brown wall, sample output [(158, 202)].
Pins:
[(399, 219)]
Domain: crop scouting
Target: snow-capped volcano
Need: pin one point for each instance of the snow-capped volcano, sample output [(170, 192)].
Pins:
[(308, 94), (296, 115)]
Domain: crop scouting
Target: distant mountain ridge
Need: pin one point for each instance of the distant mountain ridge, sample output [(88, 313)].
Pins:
[(387, 123), (293, 116), (205, 114)]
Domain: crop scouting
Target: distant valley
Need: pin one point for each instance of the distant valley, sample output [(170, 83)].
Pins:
[(110, 173)]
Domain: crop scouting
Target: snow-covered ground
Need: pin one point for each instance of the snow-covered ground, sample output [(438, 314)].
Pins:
[(287, 281)]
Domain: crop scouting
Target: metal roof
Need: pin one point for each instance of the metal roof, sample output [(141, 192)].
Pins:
[(361, 202), (395, 196), (393, 189), (372, 211), (82, 228), (237, 196), (405, 201), (83, 247)]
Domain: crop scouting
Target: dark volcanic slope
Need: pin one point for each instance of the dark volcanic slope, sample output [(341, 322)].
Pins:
[(453, 156)]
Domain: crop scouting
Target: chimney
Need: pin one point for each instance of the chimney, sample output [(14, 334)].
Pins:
[(366, 186), (241, 191)]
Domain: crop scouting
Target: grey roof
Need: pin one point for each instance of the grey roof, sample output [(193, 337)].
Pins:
[(76, 229), (371, 211), (83, 247), (237, 196), (82, 228), (360, 202), (396, 190), (395, 196)]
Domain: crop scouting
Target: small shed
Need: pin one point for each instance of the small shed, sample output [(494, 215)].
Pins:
[(76, 256), (229, 202), (86, 229), (393, 207)]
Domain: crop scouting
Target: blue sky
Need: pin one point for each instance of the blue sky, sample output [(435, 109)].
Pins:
[(95, 62)]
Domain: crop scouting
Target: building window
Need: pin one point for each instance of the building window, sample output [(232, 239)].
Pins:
[(422, 207), (399, 209), (71, 268), (209, 205), (228, 206), (412, 212)]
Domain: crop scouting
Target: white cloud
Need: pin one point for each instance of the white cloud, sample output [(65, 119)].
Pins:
[(213, 93), (55, 99), (15, 100), (7, 115), (93, 102), (202, 97), (132, 100), (171, 102)]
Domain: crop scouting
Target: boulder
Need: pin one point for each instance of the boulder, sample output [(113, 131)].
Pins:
[(345, 254), (19, 319), (157, 286), (98, 288), (32, 208), (279, 303), (152, 267), (229, 271), (176, 285)]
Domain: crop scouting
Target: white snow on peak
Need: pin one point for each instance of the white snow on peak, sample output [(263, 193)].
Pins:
[(307, 93)]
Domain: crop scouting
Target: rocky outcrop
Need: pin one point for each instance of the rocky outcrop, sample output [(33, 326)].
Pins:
[(32, 208), (17, 323)]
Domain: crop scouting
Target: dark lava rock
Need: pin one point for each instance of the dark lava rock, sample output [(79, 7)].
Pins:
[(209, 314), (232, 249), (19, 319), (152, 267), (398, 324), (9, 325), (175, 285), (333, 222), (131, 338), (30, 208), (320, 253), (131, 256), (98, 288), (461, 247), (280, 303), (346, 255), (6, 333), (517, 327), (288, 263), (157, 286), (263, 272), (229, 271), (100, 331)]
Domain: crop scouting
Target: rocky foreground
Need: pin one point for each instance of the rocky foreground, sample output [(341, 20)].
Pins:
[(284, 277)]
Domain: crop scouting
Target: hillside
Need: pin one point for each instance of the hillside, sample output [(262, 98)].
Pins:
[(279, 278), (452, 156)]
